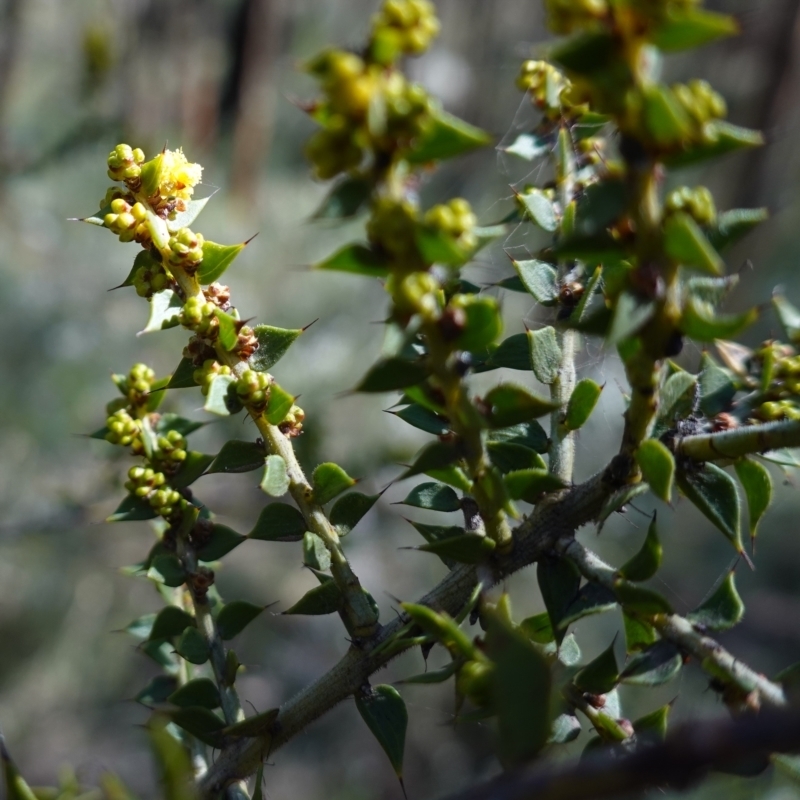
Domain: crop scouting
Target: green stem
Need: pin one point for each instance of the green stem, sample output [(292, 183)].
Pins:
[(713, 658), (739, 442)]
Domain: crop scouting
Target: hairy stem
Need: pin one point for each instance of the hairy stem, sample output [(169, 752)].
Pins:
[(739, 442)]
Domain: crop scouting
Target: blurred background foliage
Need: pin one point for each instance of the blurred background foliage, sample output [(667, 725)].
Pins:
[(218, 77)]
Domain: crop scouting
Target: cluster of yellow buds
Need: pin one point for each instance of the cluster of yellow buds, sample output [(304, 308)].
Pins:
[(204, 375), (702, 105), (544, 83), (252, 389), (416, 293), (171, 450), (125, 163), (292, 425), (198, 315), (403, 26), (367, 106), (392, 227), (124, 430), (186, 250), (147, 484), (780, 375), (136, 385), (697, 202), (150, 278), (127, 221), (566, 16), (455, 219)]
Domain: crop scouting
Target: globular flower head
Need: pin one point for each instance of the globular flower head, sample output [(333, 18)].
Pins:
[(178, 175)]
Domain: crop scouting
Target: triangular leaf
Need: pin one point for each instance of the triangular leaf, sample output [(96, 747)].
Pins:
[(198, 692), (276, 479), (165, 306), (545, 354), (722, 610), (646, 562), (391, 374), (329, 481), (559, 583), (323, 599), (468, 548), (348, 511), (235, 616), (530, 484), (433, 497), (384, 711), (446, 137), (170, 621), (192, 646), (601, 675), (509, 405), (216, 259), (581, 403), (356, 259), (272, 346), (221, 541), (654, 665), (540, 280), (540, 208), (757, 485), (279, 522), (238, 456), (658, 467)]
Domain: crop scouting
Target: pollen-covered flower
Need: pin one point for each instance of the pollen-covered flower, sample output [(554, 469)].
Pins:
[(178, 175)]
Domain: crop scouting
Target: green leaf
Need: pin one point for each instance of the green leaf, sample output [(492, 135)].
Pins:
[(540, 209), (158, 690), (235, 616), (630, 315), (193, 647), (170, 621), (566, 728), (216, 259), (646, 562), (569, 654), (423, 419), (601, 675), (162, 653), (384, 711), (699, 321), (357, 259), (686, 243), (221, 398), (581, 403), (529, 146), (788, 316), (140, 627), (713, 491), (510, 404), (272, 346), (165, 306), (390, 374), (132, 509), (540, 280), (201, 723), (513, 353), (586, 53), (173, 422), (528, 434), (276, 480), (521, 687), (16, 787), (434, 456), (329, 481), (228, 329), (438, 533), (665, 118), (483, 324), (433, 497), (538, 628), (175, 767), (185, 218), (220, 543), (757, 485), (652, 727), (348, 196), (315, 554), (198, 692), (438, 247), (435, 675), (530, 484), (446, 137), (167, 569), (545, 354), (591, 599), (323, 599), (658, 467), (653, 666), (348, 511), (722, 610), (238, 456), (717, 388), (677, 391), (192, 467), (733, 225), (638, 599), (279, 522), (257, 725), (559, 583), (720, 138), (280, 403), (686, 28), (509, 457), (183, 377), (638, 633), (619, 499), (466, 548)]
